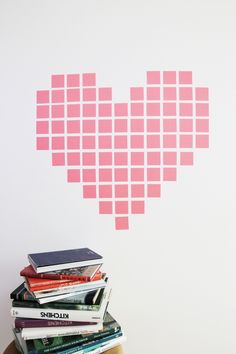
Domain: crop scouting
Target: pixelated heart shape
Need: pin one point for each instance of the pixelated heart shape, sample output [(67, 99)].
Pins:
[(121, 153)]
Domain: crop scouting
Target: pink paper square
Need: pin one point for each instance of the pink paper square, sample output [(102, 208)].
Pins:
[(185, 93), (137, 158), (137, 109), (43, 96), (186, 141), (137, 141), (73, 142), (42, 143), (153, 174), (169, 109), (57, 96), (121, 109), (58, 159), (169, 174), (153, 125), (42, 112), (88, 142), (89, 94), (186, 158), (57, 127), (202, 109), (137, 94), (202, 125), (153, 141), (73, 126), (202, 141), (121, 158), (104, 142), (186, 109), (105, 94), (73, 176), (105, 191), (89, 158), (105, 110), (89, 175), (169, 158), (120, 142), (137, 190), (154, 190), (169, 77), (120, 125), (137, 125), (153, 77), (202, 93), (153, 93), (73, 110), (121, 174), (89, 79), (153, 109), (169, 141), (186, 125), (73, 80), (89, 191), (58, 81), (153, 158), (137, 174), (42, 127), (105, 207), (89, 110), (58, 143), (169, 93), (89, 126), (105, 174), (73, 95), (185, 77), (169, 125), (73, 158), (121, 190), (137, 207), (105, 126), (121, 207), (105, 158), (122, 223), (58, 111)]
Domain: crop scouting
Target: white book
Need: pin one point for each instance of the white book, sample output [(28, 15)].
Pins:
[(71, 288), (47, 332), (59, 314), (106, 346)]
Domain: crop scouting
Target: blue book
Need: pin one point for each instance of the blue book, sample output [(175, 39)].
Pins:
[(57, 260)]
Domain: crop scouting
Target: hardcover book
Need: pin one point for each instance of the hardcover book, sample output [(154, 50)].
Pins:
[(57, 260)]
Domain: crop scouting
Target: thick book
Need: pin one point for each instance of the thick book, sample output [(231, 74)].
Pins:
[(80, 273), (67, 343), (62, 314), (49, 332), (60, 305), (57, 260), (82, 297), (34, 323), (36, 284)]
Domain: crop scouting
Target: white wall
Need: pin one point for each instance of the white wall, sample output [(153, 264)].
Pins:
[(174, 288)]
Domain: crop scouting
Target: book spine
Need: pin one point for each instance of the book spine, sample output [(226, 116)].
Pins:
[(55, 306), (31, 323), (60, 276), (50, 314)]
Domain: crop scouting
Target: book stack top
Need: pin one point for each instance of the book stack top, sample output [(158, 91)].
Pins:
[(64, 299)]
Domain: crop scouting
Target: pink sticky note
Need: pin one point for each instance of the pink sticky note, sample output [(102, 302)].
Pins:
[(88, 142), (73, 142), (186, 141), (120, 142), (202, 109), (89, 79), (137, 190), (169, 158), (121, 158), (137, 109), (185, 77), (89, 175), (89, 191), (137, 94), (58, 159), (73, 176), (73, 95), (42, 127), (121, 190), (120, 125), (153, 109), (169, 125), (105, 191), (58, 111), (105, 110), (169, 174), (137, 141), (58, 127), (73, 80), (137, 158), (121, 207), (104, 142), (137, 207), (202, 93), (202, 125), (202, 141), (89, 110), (58, 96), (186, 109), (89, 126), (43, 96), (170, 93), (105, 207), (154, 158), (169, 141), (58, 143), (58, 81), (137, 174), (105, 94), (137, 125), (105, 158), (105, 174), (169, 77), (89, 94), (186, 125), (73, 158), (153, 125), (42, 112), (153, 190), (89, 158), (153, 141), (169, 109), (153, 93), (185, 93), (42, 143), (121, 109), (73, 110), (122, 223), (121, 174), (153, 77), (186, 158), (153, 174), (105, 126), (73, 126)]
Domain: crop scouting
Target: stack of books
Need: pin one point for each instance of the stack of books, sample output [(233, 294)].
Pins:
[(61, 307)]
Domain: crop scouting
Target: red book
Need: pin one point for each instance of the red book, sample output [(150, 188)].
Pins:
[(81, 273), (36, 284)]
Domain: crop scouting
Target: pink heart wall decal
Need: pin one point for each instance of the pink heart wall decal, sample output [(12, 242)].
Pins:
[(122, 152)]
